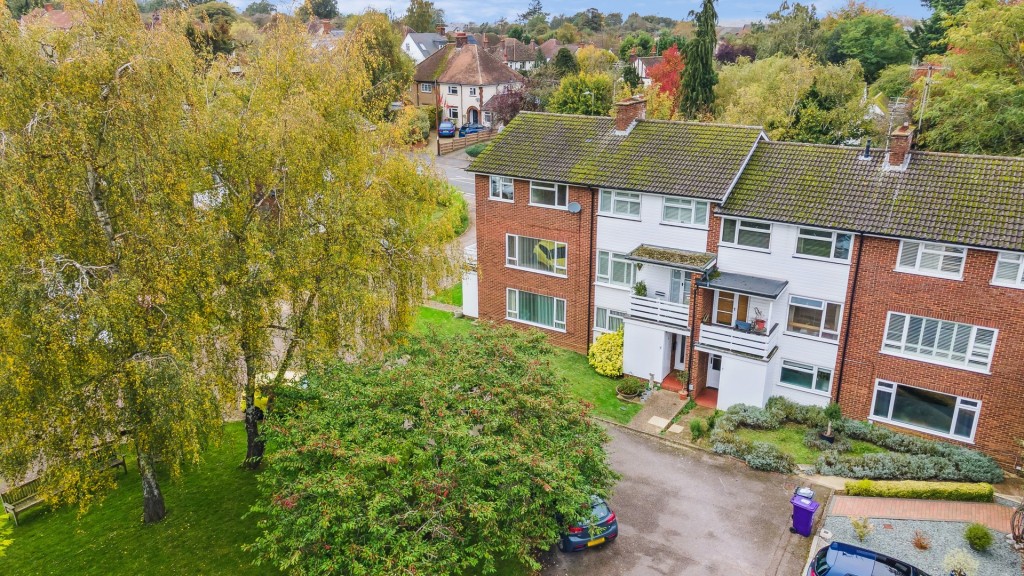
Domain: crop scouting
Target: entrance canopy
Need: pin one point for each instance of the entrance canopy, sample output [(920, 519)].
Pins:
[(673, 258)]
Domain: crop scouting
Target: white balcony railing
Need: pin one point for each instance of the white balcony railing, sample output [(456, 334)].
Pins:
[(729, 338), (660, 311)]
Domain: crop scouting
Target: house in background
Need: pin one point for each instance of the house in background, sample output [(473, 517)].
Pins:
[(551, 47), (643, 65), (513, 52), (460, 78), (420, 45), (51, 17)]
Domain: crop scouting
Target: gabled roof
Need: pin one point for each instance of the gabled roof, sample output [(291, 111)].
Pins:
[(52, 17), (470, 64), (428, 42), (955, 198), (513, 50), (550, 47), (650, 61), (679, 158)]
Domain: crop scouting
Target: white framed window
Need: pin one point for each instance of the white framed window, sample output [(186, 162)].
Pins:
[(925, 410), (453, 113), (502, 189), (535, 309), (823, 244), (426, 88), (684, 211), (619, 203), (747, 234), (453, 90), (806, 376), (817, 318), (931, 259), (607, 320), (535, 254), (680, 288), (1009, 270), (615, 269), (472, 91), (939, 341), (488, 117), (549, 194)]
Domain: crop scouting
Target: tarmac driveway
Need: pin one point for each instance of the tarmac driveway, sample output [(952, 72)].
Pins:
[(688, 512)]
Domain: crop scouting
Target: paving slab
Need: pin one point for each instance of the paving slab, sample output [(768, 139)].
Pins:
[(657, 413), (675, 429)]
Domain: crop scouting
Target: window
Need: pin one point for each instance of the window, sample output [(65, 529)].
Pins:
[(1009, 270), (453, 113), (814, 318), (608, 320), (679, 289), (823, 244), (940, 341), (534, 254), (926, 410), (426, 88), (529, 308), (806, 376), (502, 189), (472, 91), (684, 211), (453, 90), (547, 194), (749, 234), (488, 118), (614, 269), (931, 259), (618, 203)]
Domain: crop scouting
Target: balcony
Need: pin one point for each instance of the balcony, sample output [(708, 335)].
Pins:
[(727, 338), (659, 311)]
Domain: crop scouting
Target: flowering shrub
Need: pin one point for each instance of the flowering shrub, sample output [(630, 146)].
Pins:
[(606, 354)]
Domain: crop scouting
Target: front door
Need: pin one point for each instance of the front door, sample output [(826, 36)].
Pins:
[(714, 371), (678, 352), (474, 116)]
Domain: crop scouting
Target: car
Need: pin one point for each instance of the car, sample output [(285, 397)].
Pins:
[(841, 559), (446, 129), (602, 527), (471, 128)]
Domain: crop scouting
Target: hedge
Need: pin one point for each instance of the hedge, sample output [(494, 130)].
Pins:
[(956, 491), (474, 150)]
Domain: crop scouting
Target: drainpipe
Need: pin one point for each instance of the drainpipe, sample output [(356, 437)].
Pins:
[(591, 255), (694, 294), (849, 316)]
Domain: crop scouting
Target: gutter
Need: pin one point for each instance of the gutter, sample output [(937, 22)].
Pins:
[(849, 316)]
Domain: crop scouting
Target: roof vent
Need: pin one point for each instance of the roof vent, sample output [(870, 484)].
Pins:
[(867, 151)]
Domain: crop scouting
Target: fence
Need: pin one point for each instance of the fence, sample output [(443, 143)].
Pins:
[(449, 145)]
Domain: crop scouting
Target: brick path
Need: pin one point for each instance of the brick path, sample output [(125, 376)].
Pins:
[(994, 516)]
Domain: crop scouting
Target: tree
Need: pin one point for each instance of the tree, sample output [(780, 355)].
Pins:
[(532, 11), (831, 112), (590, 19), (668, 73), (565, 63), (632, 77), (594, 60), (210, 30), (893, 81), (508, 104), (19, 8), (729, 52), (613, 20), (105, 334), (259, 7), (320, 9), (928, 36), (666, 41), (587, 94), (422, 15), (699, 77), (567, 34), (376, 45), (636, 23), (642, 41), (516, 31), (876, 40), (454, 460), (789, 31)]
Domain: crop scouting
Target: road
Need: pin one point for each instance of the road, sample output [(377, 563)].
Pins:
[(452, 167)]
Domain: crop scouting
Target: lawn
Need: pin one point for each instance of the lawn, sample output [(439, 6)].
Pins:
[(452, 296), (202, 533), (790, 439)]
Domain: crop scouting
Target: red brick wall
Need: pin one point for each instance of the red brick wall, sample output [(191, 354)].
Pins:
[(494, 219), (971, 301)]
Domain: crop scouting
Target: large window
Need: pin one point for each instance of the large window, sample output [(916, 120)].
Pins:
[(548, 194), (749, 234), (823, 244), (684, 211), (1009, 270), (615, 269), (931, 259), (806, 376), (926, 410), (814, 317), (619, 203), (534, 254), (502, 188), (426, 88), (529, 308), (453, 113), (606, 320), (940, 341)]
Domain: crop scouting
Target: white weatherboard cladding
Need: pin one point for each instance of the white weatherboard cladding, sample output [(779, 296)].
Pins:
[(612, 298), (645, 351), (623, 235), (743, 382), (470, 295)]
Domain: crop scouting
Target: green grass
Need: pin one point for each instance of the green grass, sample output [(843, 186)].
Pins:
[(440, 321), (790, 439), (202, 533), (451, 295)]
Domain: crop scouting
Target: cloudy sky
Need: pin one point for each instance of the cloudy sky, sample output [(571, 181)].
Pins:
[(730, 12)]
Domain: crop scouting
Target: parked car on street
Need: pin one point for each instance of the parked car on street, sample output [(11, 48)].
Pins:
[(602, 527), (446, 129), (471, 128), (841, 559)]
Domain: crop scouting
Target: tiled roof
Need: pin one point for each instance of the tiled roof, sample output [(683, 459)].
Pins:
[(963, 199), (551, 46), (512, 50), (428, 42), (470, 64), (679, 158)]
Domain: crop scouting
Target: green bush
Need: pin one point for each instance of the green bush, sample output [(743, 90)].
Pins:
[(606, 354), (955, 491), (978, 536), (698, 428), (475, 150), (754, 417), (713, 419), (767, 457), (631, 386)]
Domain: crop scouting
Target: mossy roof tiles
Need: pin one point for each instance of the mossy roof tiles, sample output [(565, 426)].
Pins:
[(677, 158)]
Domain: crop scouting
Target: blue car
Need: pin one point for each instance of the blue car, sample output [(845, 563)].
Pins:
[(602, 527), (471, 128), (840, 559), (446, 129)]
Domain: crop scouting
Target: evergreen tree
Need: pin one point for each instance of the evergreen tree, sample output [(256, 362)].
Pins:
[(632, 77), (565, 63), (699, 77), (535, 9)]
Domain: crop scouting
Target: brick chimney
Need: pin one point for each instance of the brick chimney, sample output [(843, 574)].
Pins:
[(325, 26), (486, 41), (460, 39), (48, 7), (899, 146), (627, 111), (440, 29)]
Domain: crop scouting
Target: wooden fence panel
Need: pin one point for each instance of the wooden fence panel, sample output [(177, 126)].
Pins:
[(449, 145)]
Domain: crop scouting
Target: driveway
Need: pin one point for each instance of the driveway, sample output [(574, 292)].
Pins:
[(453, 168), (687, 512)]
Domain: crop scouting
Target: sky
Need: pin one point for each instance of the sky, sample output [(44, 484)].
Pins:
[(730, 12)]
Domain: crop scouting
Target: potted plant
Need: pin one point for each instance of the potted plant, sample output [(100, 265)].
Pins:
[(759, 320), (630, 388), (832, 414), (640, 289)]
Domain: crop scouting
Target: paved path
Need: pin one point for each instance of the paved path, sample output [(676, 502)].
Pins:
[(994, 516), (442, 306), (657, 412)]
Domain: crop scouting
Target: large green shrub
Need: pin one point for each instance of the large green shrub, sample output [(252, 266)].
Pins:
[(476, 149), (764, 456), (978, 537), (606, 354), (955, 491)]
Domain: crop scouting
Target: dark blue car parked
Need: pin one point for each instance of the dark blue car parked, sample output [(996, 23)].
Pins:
[(602, 527), (840, 559), (471, 128), (446, 129)]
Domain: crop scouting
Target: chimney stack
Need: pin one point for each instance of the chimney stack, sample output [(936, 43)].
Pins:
[(440, 29), (486, 41), (325, 26), (627, 111), (899, 146), (48, 7), (460, 39)]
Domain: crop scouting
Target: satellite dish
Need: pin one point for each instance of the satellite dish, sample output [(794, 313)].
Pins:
[(574, 207)]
